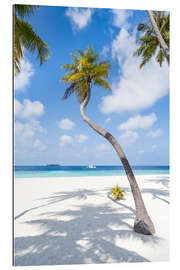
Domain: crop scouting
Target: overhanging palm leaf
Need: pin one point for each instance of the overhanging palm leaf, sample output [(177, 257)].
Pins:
[(25, 36), (25, 10), (149, 44)]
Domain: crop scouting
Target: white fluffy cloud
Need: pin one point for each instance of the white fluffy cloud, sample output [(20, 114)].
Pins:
[(65, 139), (139, 122), (66, 124), (82, 138), (120, 18), (37, 144), (129, 137), (28, 129), (17, 107), (21, 81), (136, 88), (28, 109), (24, 129), (25, 136), (156, 133), (79, 16), (103, 147)]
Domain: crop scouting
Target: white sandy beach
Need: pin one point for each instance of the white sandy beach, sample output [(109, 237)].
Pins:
[(72, 221)]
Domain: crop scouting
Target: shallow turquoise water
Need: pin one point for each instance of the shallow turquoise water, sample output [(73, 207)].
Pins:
[(82, 171)]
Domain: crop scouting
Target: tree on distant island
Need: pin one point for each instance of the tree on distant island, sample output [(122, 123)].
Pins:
[(154, 37), (85, 71), (25, 37)]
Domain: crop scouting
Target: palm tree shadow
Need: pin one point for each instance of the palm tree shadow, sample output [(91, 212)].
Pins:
[(160, 180), (86, 235), (80, 194), (159, 193)]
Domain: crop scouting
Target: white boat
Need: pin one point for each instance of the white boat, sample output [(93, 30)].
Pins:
[(91, 166)]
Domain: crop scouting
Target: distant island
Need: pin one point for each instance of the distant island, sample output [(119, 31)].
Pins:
[(53, 165)]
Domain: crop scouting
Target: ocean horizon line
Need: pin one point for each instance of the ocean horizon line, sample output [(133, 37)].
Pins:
[(84, 170), (63, 165)]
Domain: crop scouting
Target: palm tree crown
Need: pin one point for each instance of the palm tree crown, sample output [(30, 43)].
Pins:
[(84, 71), (24, 36), (149, 43)]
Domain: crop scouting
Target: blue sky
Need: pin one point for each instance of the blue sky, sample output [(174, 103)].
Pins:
[(49, 130)]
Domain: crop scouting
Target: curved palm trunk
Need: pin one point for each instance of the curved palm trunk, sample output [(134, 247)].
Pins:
[(143, 223), (158, 35)]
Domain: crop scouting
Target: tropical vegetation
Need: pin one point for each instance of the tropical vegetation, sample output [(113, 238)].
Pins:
[(25, 37), (118, 193), (154, 38)]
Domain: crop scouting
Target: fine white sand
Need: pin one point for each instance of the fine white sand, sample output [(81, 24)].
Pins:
[(72, 221)]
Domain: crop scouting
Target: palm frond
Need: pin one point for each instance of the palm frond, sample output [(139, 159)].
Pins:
[(24, 36), (144, 61), (31, 41), (102, 83), (160, 57), (143, 27), (69, 67), (17, 67), (70, 90), (148, 43), (84, 71), (139, 51), (69, 78), (80, 52), (147, 38), (23, 11)]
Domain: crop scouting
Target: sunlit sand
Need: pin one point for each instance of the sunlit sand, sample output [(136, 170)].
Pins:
[(72, 221)]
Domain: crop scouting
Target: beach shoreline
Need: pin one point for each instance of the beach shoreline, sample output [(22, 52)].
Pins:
[(72, 221), (88, 177)]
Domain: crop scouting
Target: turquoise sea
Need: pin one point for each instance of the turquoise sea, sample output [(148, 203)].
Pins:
[(80, 171)]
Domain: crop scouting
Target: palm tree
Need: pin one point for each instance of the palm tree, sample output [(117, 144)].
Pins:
[(84, 72), (24, 36), (158, 31), (155, 38)]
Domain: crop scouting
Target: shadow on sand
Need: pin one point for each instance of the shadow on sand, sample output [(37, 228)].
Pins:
[(86, 235), (159, 193)]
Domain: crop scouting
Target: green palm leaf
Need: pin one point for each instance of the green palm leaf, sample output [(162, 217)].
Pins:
[(31, 41), (84, 71), (148, 42), (25, 10), (160, 57), (102, 83), (24, 36)]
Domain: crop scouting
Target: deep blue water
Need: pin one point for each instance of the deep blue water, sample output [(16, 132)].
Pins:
[(79, 171)]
